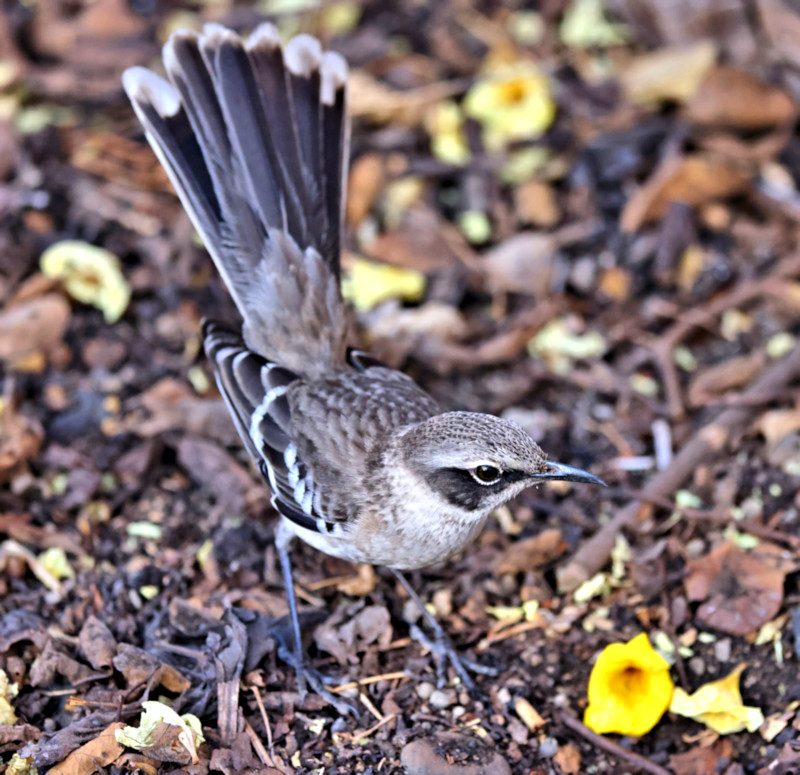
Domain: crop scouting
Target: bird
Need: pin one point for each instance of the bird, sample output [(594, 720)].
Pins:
[(362, 463)]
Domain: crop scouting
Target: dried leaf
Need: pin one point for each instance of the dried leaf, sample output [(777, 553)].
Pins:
[(568, 758), (693, 180), (164, 735), (372, 624), (32, 326), (362, 585), (139, 667), (778, 423), (731, 97), (365, 182), (97, 643), (373, 99), (103, 751), (616, 283), (21, 439), (668, 73), (214, 468), (421, 241), (531, 553), (742, 590), (562, 340), (700, 760), (521, 264), (535, 202), (172, 405)]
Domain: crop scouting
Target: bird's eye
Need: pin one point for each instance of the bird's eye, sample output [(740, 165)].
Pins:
[(486, 474)]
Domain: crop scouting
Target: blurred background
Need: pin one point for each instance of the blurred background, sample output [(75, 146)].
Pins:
[(582, 215)]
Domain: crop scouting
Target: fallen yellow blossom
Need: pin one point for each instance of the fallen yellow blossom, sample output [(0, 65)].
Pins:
[(445, 125), (585, 25), (55, 562), (164, 735), (719, 706), (368, 283), (90, 274), (7, 691), (629, 689), (512, 103)]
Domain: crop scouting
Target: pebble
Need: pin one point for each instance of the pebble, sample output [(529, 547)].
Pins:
[(451, 753), (548, 747), (440, 699), (425, 690), (411, 612), (697, 665)]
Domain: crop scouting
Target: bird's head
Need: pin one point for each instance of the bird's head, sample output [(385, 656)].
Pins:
[(477, 462)]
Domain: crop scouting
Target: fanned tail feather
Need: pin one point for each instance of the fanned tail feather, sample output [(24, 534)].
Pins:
[(254, 138)]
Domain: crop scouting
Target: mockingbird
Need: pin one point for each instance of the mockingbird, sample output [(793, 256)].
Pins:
[(362, 463)]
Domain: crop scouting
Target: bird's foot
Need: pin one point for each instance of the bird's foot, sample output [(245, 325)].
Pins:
[(308, 678), (444, 652)]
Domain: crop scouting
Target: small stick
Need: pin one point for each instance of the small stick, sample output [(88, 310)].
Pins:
[(709, 440), (367, 732), (264, 717), (258, 746), (370, 706), (615, 749), (369, 680)]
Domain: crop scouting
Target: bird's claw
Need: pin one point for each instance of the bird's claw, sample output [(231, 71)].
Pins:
[(443, 651), (310, 679)]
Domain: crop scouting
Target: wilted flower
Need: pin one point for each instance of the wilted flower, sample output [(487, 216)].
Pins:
[(7, 691), (512, 103), (445, 125), (719, 706), (89, 274), (629, 689), (367, 284)]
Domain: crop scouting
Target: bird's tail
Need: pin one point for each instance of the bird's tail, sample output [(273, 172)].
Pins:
[(254, 139)]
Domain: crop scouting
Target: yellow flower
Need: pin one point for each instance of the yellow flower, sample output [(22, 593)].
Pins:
[(7, 691), (719, 706), (512, 103), (629, 689), (367, 284), (445, 125), (89, 274)]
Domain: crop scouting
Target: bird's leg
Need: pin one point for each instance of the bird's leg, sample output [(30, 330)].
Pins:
[(441, 646), (306, 676)]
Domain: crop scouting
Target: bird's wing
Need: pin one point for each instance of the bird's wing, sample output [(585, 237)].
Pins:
[(311, 440), (255, 391)]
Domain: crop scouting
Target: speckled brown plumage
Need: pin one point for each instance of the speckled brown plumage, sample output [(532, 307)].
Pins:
[(363, 464)]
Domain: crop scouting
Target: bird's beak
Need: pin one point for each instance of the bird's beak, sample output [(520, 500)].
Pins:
[(560, 472)]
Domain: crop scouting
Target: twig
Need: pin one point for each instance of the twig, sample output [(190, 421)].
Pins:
[(663, 347), (510, 631), (708, 441), (11, 548), (258, 746), (263, 711), (369, 705), (357, 738), (615, 749), (370, 680)]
